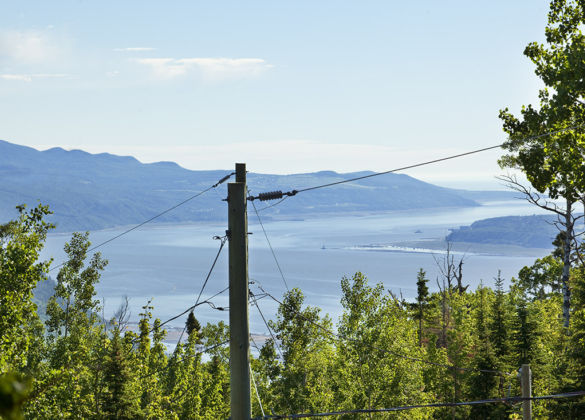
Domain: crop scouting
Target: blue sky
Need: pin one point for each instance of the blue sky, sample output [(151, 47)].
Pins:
[(285, 86)]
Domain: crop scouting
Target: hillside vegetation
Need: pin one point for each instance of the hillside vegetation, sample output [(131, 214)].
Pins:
[(453, 344), (537, 231)]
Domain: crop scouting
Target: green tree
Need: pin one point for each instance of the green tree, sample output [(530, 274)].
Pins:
[(541, 279), (193, 325), (189, 397), (553, 163), (524, 334), (73, 309), (215, 399), (576, 352), (14, 391), (151, 362), (120, 400), (376, 357), (500, 322), (304, 383), (438, 384), (422, 297), (266, 369), (21, 241), (76, 339), (484, 381)]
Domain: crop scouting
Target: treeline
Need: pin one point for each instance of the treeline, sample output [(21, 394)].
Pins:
[(447, 346)]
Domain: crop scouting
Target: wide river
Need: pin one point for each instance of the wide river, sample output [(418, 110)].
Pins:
[(168, 263)]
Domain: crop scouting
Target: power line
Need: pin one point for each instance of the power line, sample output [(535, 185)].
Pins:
[(509, 400), (256, 389), (273, 205), (279, 194), (267, 326), (197, 303), (414, 359), (254, 343), (208, 302), (270, 245), (221, 181), (190, 309), (222, 240), (416, 165), (219, 293), (269, 329)]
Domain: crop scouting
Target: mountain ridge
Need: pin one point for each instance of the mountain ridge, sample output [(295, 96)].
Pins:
[(95, 191)]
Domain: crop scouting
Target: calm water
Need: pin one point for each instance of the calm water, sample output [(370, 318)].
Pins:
[(169, 262)]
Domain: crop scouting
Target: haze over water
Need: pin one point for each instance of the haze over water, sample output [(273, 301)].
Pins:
[(169, 262)]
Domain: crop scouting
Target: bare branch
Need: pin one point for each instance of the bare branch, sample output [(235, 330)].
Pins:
[(122, 314), (533, 197), (577, 251)]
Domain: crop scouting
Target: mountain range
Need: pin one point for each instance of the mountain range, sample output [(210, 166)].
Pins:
[(95, 191)]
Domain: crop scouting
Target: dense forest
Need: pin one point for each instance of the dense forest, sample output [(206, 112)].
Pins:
[(450, 345)]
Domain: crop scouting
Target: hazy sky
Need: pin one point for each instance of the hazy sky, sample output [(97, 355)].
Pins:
[(285, 86)]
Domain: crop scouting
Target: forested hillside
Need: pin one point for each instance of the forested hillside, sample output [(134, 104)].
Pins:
[(526, 231), (450, 345)]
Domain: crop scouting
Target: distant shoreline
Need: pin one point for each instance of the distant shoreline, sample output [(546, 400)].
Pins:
[(438, 246), (284, 218)]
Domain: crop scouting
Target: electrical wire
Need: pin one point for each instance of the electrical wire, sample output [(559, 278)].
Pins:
[(190, 309), (416, 165), (208, 302), (273, 205), (254, 343), (267, 326), (256, 389), (510, 400), (269, 329), (330, 333), (399, 169), (414, 359), (270, 246), (197, 303), (222, 240), (221, 181)]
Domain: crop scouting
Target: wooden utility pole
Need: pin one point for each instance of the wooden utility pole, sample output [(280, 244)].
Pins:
[(238, 277), (526, 383)]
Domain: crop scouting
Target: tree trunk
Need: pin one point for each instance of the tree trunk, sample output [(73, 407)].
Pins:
[(459, 276), (567, 265), (444, 326), (420, 318)]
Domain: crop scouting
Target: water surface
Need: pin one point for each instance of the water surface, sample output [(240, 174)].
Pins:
[(168, 263)]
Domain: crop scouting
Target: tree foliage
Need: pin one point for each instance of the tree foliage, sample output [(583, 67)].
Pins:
[(447, 345), (547, 142)]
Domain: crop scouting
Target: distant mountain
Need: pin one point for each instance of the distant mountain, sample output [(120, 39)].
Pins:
[(94, 191), (535, 231)]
